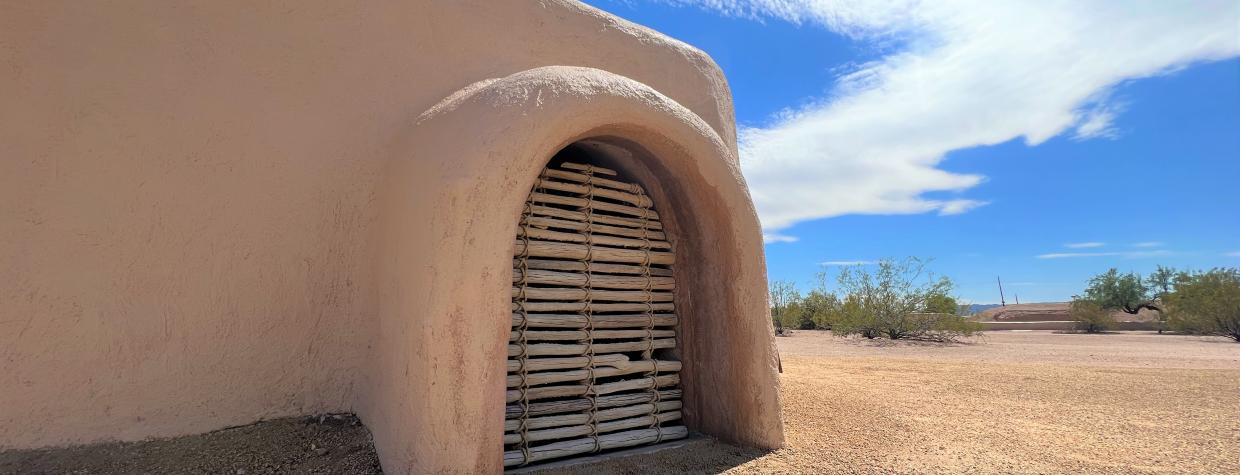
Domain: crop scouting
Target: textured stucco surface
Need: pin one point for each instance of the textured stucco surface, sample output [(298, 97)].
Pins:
[(218, 212)]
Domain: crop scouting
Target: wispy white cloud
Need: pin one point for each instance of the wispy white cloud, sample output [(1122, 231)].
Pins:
[(770, 238), (1084, 245), (846, 263), (1066, 255), (1148, 244), (951, 207), (1099, 122), (1232, 254), (956, 74), (1125, 255)]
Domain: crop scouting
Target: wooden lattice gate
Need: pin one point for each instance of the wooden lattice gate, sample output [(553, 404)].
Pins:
[(590, 363)]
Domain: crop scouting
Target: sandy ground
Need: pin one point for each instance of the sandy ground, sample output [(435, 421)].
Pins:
[(330, 444), (1016, 402), (1011, 402)]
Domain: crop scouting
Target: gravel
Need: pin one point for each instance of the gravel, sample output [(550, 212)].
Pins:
[(1015, 402)]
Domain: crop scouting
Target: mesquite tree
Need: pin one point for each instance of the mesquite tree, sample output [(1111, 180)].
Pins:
[(895, 301), (1126, 292), (1207, 303)]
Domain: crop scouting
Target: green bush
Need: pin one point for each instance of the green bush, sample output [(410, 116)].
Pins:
[(1090, 317), (1207, 303), (854, 319), (821, 309), (899, 300)]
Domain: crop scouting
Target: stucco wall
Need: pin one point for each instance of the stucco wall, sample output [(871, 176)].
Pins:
[(190, 199)]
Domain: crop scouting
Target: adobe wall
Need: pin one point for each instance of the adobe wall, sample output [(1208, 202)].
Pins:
[(192, 227)]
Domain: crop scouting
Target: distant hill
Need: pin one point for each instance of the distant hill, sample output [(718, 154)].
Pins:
[(1049, 312), (980, 307)]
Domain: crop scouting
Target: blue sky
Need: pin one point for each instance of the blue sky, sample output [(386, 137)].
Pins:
[(1040, 142)]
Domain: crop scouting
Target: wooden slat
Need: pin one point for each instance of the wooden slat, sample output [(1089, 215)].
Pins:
[(513, 411), (548, 392), (597, 321), (575, 177), (562, 250), (615, 440), (634, 211), (513, 425), (580, 189), (600, 281), (577, 335), (554, 349), (600, 428), (588, 168), (548, 377), (578, 266), (572, 362), (639, 233), (540, 210), (571, 294), (596, 240), (535, 307)]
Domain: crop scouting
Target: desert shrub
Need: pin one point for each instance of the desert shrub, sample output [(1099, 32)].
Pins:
[(854, 319), (785, 308), (892, 302), (1207, 303), (941, 326), (821, 309), (797, 317), (1090, 316), (942, 303)]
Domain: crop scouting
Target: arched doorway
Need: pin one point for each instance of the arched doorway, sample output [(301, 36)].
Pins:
[(435, 396), (592, 361)]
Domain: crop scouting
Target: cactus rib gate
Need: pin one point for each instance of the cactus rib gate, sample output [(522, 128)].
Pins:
[(590, 364)]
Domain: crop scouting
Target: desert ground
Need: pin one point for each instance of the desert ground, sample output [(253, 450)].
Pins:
[(1009, 402)]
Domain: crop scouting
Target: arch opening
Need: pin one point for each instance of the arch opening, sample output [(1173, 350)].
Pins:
[(594, 350)]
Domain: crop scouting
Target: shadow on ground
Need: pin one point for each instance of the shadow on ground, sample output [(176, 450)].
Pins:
[(699, 455), (328, 444), (324, 444)]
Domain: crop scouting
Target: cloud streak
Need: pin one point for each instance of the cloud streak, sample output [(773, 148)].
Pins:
[(1126, 255), (773, 238), (1084, 245), (846, 263), (956, 74)]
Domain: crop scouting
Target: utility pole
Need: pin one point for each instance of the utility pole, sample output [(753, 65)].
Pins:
[(1002, 302), (1017, 299)]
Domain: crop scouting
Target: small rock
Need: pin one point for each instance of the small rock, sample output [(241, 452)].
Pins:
[(321, 451)]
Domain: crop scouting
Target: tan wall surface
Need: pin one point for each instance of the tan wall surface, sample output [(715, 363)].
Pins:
[(190, 207)]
